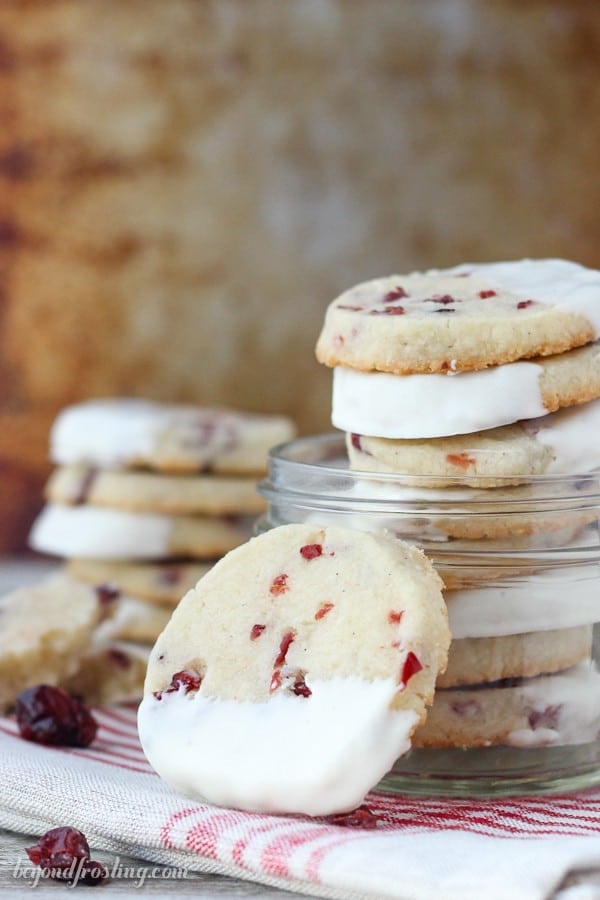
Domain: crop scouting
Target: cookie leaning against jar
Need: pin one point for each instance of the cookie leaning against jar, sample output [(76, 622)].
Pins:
[(301, 664)]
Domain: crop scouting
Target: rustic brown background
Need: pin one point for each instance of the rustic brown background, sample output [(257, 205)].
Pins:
[(184, 186)]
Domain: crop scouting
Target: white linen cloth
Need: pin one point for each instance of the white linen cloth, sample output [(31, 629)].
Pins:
[(521, 848)]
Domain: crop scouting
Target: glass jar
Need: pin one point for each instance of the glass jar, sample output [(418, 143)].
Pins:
[(518, 709)]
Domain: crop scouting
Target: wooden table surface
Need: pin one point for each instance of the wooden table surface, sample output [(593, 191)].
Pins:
[(131, 876)]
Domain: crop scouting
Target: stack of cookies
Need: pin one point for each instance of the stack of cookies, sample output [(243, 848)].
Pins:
[(470, 396), (143, 499)]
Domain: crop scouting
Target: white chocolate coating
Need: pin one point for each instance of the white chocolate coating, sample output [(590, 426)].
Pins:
[(573, 434), (106, 432), (541, 602), (282, 755), (92, 532), (556, 282), (427, 406)]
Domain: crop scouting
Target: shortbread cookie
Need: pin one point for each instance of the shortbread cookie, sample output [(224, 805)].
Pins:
[(162, 583), (460, 319), (125, 618), (95, 533), (551, 710), (556, 598), (132, 432), (108, 674), (292, 677), (477, 660), (414, 407), (46, 627), (564, 442), (156, 493)]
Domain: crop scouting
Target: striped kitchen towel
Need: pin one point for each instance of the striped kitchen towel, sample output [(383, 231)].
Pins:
[(527, 848)]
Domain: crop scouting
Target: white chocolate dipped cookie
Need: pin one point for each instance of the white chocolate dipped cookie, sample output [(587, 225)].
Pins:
[(480, 660), (465, 318), (161, 583), (563, 442), (300, 665), (46, 627), (126, 432), (415, 407), (137, 491), (93, 532), (550, 710)]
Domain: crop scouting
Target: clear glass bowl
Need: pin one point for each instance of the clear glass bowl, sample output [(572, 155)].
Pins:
[(518, 709)]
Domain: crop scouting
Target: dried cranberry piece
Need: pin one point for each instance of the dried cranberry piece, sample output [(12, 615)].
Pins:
[(65, 853), (397, 293), (169, 576), (485, 294), (311, 551), (470, 709), (279, 585), (544, 718), (48, 715), (85, 486), (284, 646), (323, 610), (56, 844), (388, 311), (524, 304), (107, 593), (356, 441), (362, 817), (191, 681), (412, 665), (91, 873), (463, 460), (300, 687), (256, 631), (119, 658), (395, 615)]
